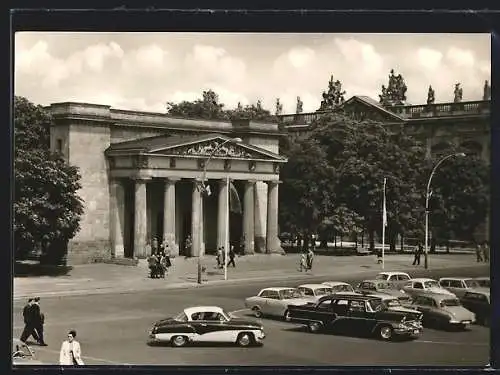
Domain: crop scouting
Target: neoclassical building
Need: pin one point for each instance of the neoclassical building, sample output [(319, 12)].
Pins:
[(141, 173)]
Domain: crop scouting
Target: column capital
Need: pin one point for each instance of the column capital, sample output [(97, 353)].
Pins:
[(273, 182), (252, 182), (171, 179), (143, 180)]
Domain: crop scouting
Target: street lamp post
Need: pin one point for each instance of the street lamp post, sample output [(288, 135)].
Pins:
[(427, 196), (203, 179)]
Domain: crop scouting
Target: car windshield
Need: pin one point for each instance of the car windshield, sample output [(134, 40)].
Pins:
[(392, 303), (322, 291), (181, 317), (450, 302), (472, 283), (383, 286), (290, 294), (381, 276), (431, 284), (484, 282), (342, 288), (376, 304)]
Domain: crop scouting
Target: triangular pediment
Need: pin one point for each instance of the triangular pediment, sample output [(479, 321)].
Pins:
[(364, 107), (214, 145)]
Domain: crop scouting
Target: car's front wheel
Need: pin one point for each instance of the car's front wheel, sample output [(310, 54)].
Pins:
[(245, 339), (178, 341), (314, 327), (257, 312), (385, 332), (286, 316)]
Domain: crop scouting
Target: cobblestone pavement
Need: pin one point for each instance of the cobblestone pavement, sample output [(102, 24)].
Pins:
[(105, 278)]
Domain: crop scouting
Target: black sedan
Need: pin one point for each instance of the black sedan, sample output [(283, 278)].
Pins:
[(206, 324)]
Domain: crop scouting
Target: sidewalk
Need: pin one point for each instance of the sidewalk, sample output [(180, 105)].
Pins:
[(110, 278)]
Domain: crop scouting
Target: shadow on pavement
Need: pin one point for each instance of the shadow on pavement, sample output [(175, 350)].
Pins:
[(201, 345), (31, 269)]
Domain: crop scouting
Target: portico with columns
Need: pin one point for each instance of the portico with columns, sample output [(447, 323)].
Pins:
[(160, 170)]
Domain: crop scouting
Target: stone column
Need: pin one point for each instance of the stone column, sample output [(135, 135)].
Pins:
[(169, 215), (260, 213), (273, 244), (196, 220), (117, 218), (222, 224), (249, 217), (140, 219)]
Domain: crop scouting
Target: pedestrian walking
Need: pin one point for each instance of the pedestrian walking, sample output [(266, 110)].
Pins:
[(418, 253), (29, 328), (232, 254), (479, 257), (303, 262), (71, 351), (153, 263), (154, 245), (187, 246), (168, 257), (218, 257), (486, 251), (38, 321), (310, 258)]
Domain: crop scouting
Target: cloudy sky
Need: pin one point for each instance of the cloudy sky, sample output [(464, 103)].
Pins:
[(142, 71)]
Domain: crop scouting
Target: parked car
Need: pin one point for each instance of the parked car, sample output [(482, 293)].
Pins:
[(206, 324), (275, 301), (355, 313), (339, 286), (443, 310), (383, 287), (396, 278), (393, 303), (458, 285), (22, 354), (424, 285), (314, 290), (478, 301), (484, 282)]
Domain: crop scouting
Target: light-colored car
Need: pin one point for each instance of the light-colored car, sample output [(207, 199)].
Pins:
[(458, 285), (424, 285), (275, 300), (383, 287), (315, 291), (22, 354), (398, 279), (484, 282), (443, 310), (339, 286)]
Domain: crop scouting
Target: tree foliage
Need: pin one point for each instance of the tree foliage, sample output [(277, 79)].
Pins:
[(47, 208)]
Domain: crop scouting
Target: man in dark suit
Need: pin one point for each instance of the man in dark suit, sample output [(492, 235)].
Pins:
[(29, 328), (38, 321)]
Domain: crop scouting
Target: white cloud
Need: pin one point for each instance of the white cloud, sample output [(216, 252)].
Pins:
[(300, 57), (429, 58), (460, 57), (356, 52)]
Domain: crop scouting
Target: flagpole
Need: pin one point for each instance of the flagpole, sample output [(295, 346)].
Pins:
[(226, 241), (384, 223)]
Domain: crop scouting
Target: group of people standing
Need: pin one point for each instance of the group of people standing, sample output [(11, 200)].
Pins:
[(159, 261), (306, 260), (221, 257), (483, 252)]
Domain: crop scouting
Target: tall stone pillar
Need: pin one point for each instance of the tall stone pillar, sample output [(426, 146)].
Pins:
[(196, 221), (260, 213), (249, 217), (140, 219), (169, 216), (117, 218), (273, 244), (222, 215)]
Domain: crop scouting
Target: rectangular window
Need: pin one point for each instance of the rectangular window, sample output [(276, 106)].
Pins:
[(59, 146)]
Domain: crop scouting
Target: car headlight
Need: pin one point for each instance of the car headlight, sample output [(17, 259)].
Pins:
[(402, 291)]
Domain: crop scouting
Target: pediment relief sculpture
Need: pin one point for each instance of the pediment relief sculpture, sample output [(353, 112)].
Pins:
[(216, 149)]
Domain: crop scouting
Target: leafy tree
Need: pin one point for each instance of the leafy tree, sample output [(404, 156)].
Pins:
[(47, 208), (253, 112), (208, 107)]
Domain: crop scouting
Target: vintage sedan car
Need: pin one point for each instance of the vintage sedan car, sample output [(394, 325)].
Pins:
[(22, 354), (458, 285), (275, 301), (339, 286), (478, 301), (393, 303), (484, 282), (383, 287), (355, 313), (396, 278), (315, 291), (206, 324), (443, 310), (424, 285)]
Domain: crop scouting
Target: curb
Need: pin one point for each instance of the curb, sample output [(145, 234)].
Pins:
[(210, 283)]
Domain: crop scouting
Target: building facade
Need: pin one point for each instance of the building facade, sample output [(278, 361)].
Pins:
[(141, 175), (438, 126)]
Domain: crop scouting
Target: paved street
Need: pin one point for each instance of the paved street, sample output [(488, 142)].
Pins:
[(112, 329)]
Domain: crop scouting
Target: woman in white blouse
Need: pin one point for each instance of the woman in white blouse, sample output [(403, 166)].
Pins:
[(71, 351)]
